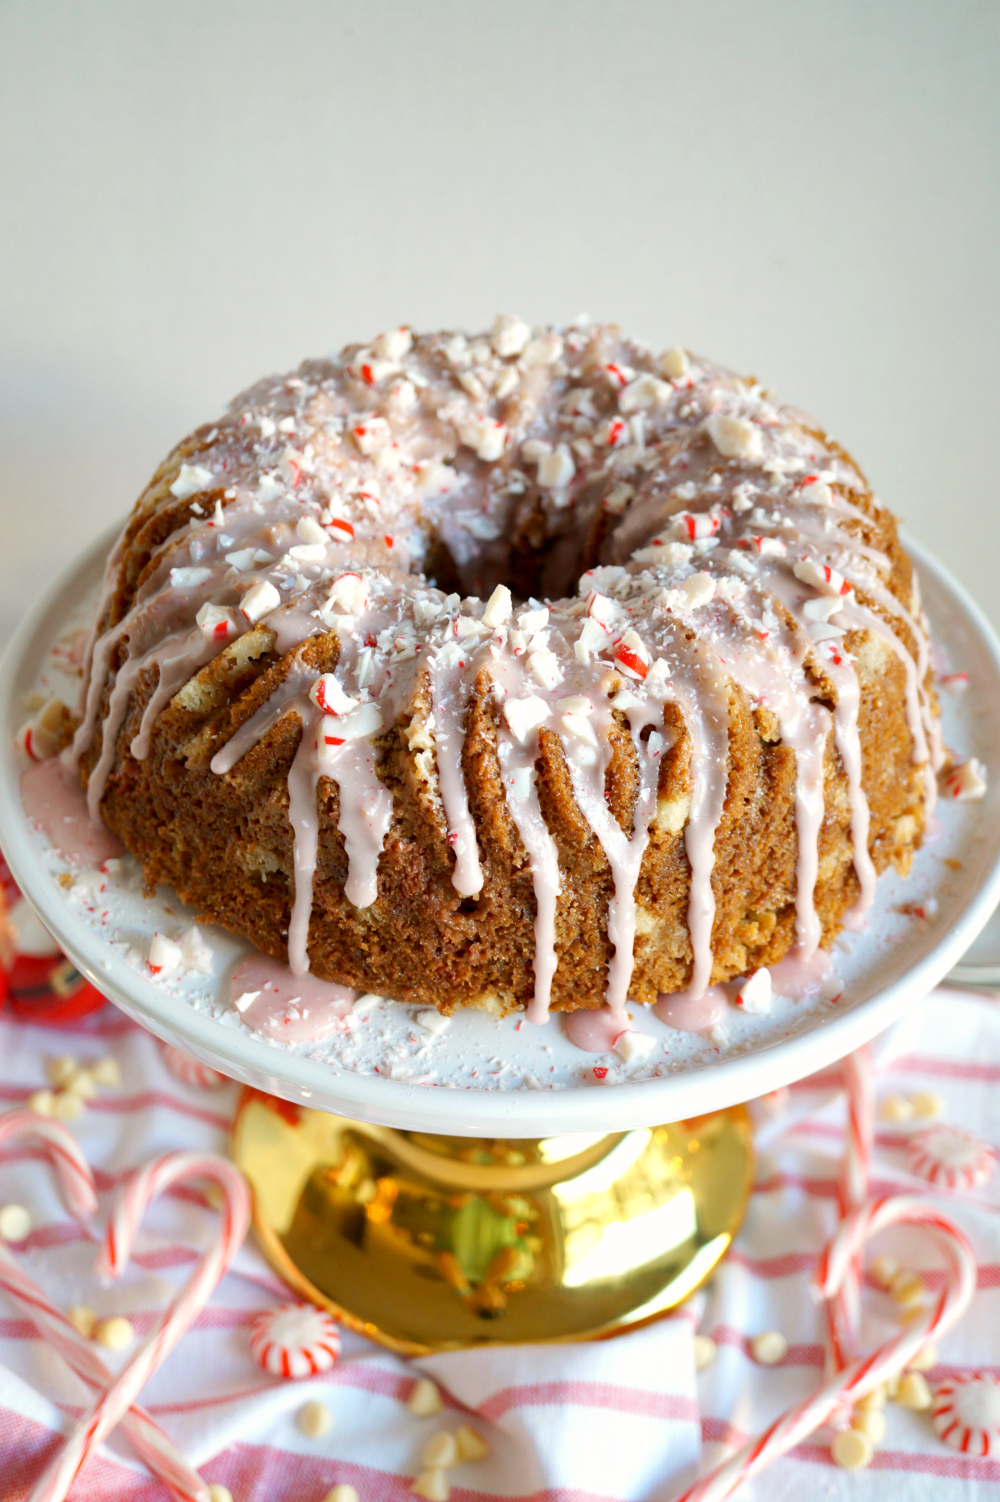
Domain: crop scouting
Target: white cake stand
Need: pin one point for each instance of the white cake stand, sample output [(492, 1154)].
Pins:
[(489, 1108)]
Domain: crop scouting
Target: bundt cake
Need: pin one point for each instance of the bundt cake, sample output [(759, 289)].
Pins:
[(528, 670)]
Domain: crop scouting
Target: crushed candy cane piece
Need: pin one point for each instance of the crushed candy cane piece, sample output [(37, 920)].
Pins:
[(674, 362), (734, 437), (164, 955), (966, 783), (260, 599), (755, 993), (631, 1045), (191, 479)]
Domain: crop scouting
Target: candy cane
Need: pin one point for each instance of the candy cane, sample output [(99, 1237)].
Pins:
[(63, 1151), (867, 1372), (136, 1195), (843, 1311), (77, 1185)]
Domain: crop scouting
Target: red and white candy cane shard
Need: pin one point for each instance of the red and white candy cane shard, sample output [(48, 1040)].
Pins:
[(77, 1186), (135, 1197), (76, 1181), (950, 1156), (295, 1340), (867, 1372), (190, 1071), (966, 1413), (843, 1311)]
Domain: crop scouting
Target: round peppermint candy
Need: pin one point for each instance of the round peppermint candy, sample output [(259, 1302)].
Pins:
[(967, 1413), (950, 1156), (295, 1340)]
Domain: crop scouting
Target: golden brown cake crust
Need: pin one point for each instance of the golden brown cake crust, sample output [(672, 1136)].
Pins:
[(225, 841)]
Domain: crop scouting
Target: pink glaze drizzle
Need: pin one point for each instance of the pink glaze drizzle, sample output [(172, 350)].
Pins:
[(289, 1007), (54, 799)]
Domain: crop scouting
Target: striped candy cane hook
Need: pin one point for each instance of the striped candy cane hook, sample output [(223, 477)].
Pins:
[(865, 1373), (77, 1187), (145, 1185)]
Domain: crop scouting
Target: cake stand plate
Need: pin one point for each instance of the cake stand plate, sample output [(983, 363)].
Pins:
[(485, 1077)]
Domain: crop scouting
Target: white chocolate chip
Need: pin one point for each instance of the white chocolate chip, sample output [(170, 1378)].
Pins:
[(925, 1358), (870, 1422), (42, 1102), (82, 1318), (907, 1288), (913, 1392), (342, 1492), (852, 1450), (62, 1069), (314, 1419), (927, 1103), (219, 1493), (883, 1269), (115, 1333), (439, 1450), (425, 1399), (470, 1444), (107, 1072), (15, 1223), (769, 1348), (895, 1108), (68, 1106), (433, 1485), (705, 1352)]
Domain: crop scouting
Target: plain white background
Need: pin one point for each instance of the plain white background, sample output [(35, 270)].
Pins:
[(192, 194)]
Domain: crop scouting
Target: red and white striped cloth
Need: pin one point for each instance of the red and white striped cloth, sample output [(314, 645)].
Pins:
[(604, 1422)]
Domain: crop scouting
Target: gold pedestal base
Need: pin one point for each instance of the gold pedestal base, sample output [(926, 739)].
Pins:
[(429, 1243)]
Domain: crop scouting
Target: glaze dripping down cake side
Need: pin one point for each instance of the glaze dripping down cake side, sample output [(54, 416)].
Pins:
[(521, 671)]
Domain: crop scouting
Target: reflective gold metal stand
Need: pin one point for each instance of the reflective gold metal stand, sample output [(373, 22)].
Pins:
[(429, 1243)]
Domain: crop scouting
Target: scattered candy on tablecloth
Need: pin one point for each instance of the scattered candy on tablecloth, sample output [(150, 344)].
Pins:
[(967, 1413), (425, 1399), (950, 1156), (295, 1340), (314, 1419), (190, 1071)]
